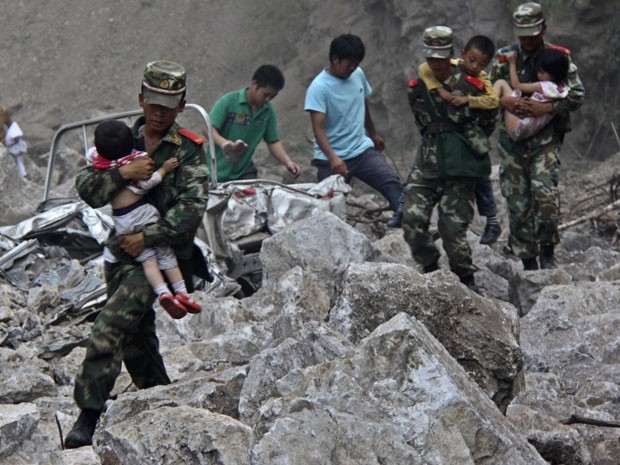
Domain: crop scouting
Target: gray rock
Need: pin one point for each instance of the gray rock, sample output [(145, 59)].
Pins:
[(399, 398), (476, 332), (17, 424), (322, 255), (171, 436)]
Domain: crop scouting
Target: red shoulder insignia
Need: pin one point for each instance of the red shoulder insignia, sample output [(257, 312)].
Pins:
[(191, 136), (565, 51), (412, 83), (477, 83)]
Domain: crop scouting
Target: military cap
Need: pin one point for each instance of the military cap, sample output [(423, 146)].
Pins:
[(164, 83), (528, 19), (437, 42)]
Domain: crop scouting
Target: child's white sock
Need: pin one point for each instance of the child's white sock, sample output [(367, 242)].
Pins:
[(179, 287), (160, 289)]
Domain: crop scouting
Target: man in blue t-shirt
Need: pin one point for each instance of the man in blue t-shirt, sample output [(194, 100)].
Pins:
[(345, 139)]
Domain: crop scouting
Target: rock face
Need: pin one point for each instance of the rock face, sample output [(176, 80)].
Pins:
[(221, 44), (344, 355)]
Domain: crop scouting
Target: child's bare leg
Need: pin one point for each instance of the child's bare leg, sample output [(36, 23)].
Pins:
[(502, 88), (174, 276), (152, 273)]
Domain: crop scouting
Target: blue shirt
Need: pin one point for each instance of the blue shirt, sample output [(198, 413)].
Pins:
[(343, 103)]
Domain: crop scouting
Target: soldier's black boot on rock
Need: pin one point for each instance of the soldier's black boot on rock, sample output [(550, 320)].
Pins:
[(82, 432), (530, 264), (546, 257), (470, 282), (492, 232)]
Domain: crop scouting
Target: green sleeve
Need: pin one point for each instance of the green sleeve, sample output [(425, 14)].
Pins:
[(219, 112), (97, 188), (271, 132), (576, 94)]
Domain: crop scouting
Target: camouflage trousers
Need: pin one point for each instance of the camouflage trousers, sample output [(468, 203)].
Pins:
[(124, 331), (529, 182), (455, 201)]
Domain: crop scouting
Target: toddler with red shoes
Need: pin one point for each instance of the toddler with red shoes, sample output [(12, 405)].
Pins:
[(131, 213)]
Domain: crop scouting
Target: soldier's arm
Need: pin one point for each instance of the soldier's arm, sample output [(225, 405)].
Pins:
[(97, 188)]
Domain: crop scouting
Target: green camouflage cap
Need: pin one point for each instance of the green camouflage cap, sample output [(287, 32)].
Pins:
[(528, 19), (164, 83), (437, 42)]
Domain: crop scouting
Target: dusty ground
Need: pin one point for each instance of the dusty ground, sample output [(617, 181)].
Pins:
[(71, 61)]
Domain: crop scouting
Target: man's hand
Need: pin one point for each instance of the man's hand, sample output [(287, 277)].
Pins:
[(132, 244), (529, 107), (509, 103), (141, 169), (293, 168), (338, 166), (444, 93), (458, 100), (378, 141)]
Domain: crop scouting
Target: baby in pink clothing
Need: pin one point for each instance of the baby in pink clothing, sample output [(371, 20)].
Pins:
[(552, 69)]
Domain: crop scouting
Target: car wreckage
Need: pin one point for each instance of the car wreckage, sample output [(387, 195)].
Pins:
[(239, 216)]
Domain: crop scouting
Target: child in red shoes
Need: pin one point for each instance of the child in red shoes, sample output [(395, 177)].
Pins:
[(114, 147)]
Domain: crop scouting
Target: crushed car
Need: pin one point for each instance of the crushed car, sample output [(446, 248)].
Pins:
[(239, 216)]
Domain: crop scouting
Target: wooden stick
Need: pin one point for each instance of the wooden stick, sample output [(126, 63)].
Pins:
[(589, 216), (574, 418)]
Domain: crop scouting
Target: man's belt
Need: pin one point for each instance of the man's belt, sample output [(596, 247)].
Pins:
[(442, 126)]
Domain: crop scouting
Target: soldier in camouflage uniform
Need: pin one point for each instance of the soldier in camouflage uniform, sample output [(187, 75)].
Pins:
[(124, 330), (452, 156), (529, 168)]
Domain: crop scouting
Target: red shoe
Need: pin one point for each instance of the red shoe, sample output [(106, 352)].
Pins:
[(174, 308), (190, 304)]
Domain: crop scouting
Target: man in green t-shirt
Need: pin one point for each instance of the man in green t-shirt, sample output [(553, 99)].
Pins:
[(241, 119)]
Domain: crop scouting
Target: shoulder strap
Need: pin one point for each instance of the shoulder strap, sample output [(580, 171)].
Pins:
[(565, 51), (191, 136), (477, 83)]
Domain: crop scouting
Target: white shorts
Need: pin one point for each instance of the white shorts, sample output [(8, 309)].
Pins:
[(135, 220)]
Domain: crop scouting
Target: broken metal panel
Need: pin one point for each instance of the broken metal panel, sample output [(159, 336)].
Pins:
[(48, 220), (261, 205), (21, 250)]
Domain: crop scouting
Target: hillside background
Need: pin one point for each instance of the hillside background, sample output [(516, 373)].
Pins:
[(66, 60)]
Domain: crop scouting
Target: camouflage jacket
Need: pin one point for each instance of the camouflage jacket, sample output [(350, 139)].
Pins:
[(454, 139), (554, 132), (181, 198)]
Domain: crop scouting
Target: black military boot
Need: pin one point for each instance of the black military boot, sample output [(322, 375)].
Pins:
[(470, 282), (430, 268), (491, 234), (530, 264), (82, 432), (546, 257)]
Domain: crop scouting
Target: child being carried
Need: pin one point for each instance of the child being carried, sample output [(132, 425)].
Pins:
[(131, 213), (552, 70)]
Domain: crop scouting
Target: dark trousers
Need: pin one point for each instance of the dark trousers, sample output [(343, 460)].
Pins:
[(124, 331), (372, 168), (484, 197)]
